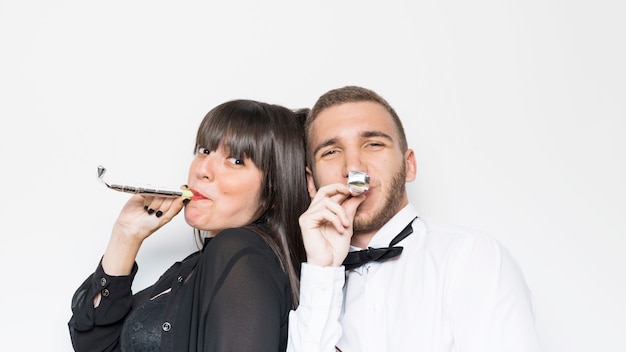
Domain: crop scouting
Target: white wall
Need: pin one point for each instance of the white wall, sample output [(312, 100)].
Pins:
[(515, 110)]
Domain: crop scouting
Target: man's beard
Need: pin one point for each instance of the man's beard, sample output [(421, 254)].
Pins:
[(393, 201)]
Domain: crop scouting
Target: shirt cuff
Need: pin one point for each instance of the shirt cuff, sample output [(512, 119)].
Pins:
[(321, 287), (113, 287)]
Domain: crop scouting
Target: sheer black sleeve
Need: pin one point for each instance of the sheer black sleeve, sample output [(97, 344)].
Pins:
[(98, 329)]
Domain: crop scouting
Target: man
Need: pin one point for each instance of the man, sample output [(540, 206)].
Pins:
[(449, 289)]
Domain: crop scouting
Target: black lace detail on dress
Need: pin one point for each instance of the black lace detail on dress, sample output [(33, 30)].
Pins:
[(143, 326)]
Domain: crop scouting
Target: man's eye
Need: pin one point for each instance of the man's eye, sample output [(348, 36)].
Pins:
[(202, 150), (329, 152)]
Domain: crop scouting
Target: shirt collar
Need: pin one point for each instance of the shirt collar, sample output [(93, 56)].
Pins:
[(392, 227)]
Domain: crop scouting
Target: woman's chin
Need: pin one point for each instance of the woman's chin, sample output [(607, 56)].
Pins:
[(192, 217)]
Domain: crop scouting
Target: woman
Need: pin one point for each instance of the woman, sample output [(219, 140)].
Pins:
[(248, 185)]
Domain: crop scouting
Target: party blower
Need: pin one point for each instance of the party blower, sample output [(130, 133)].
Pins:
[(161, 192)]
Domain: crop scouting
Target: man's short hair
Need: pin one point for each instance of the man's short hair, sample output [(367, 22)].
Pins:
[(353, 94)]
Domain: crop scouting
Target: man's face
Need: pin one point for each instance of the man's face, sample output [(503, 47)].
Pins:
[(361, 136)]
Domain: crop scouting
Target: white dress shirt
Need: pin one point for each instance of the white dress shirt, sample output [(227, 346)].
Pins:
[(451, 289)]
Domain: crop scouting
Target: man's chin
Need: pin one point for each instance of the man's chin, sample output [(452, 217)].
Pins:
[(363, 222), (368, 220)]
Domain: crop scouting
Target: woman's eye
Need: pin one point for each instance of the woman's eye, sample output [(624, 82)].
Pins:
[(235, 161), (202, 150)]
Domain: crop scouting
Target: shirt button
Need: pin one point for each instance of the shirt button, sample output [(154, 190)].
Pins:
[(105, 292), (181, 279), (166, 326), (103, 281)]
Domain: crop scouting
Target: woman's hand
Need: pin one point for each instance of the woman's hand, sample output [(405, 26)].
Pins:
[(327, 225), (140, 217)]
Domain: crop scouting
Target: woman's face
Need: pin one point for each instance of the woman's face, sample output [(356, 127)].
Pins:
[(226, 191)]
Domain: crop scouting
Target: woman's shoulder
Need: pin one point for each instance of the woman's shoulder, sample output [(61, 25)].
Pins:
[(237, 241), (241, 250)]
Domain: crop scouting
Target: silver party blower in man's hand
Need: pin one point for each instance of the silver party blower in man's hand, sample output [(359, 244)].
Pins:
[(358, 182)]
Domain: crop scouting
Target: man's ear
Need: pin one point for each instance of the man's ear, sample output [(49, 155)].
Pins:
[(411, 165), (310, 183)]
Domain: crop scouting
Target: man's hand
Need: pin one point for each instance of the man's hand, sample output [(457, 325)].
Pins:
[(327, 225)]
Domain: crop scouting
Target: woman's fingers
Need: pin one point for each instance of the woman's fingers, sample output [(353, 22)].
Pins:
[(142, 215), (163, 206)]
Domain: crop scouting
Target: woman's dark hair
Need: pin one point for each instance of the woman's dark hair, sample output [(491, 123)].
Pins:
[(272, 136)]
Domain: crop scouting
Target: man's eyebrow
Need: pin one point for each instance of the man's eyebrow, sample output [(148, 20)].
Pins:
[(324, 144), (367, 134), (364, 134)]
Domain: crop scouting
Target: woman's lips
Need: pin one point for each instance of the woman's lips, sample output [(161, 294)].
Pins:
[(197, 195)]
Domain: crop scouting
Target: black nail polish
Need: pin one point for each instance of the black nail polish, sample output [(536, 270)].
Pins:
[(186, 201), (158, 213), (150, 211), (145, 207)]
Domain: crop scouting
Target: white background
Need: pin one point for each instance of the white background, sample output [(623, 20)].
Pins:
[(516, 111)]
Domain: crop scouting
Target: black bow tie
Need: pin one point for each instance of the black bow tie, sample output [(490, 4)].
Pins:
[(357, 258)]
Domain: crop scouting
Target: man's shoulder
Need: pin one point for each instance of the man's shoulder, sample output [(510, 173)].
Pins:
[(435, 232), (466, 250), (446, 235)]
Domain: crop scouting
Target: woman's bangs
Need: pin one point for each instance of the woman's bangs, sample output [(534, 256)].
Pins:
[(240, 142), (241, 133)]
